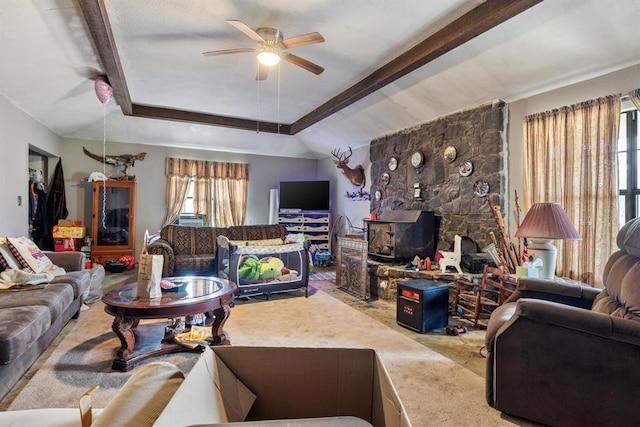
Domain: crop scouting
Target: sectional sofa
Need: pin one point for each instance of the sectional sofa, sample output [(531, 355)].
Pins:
[(32, 316)]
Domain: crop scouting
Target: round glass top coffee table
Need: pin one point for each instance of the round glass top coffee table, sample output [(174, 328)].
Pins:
[(196, 294)]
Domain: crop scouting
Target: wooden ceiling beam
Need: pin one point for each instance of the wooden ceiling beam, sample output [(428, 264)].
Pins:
[(483, 18), (475, 22), (95, 14), (152, 112)]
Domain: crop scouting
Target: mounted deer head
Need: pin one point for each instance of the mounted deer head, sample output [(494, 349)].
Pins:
[(355, 175)]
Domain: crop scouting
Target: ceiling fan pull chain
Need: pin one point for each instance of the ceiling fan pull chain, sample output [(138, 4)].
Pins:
[(258, 103), (278, 99)]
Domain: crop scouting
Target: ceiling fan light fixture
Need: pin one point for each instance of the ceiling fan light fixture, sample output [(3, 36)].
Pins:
[(268, 57)]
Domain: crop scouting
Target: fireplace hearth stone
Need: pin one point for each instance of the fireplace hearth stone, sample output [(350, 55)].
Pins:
[(384, 278)]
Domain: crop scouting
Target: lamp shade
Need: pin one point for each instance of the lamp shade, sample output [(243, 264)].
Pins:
[(547, 221)]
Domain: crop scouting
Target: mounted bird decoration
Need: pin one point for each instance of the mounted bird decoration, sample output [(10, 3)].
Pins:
[(124, 161)]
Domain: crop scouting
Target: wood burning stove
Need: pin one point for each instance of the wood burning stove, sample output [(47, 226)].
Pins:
[(401, 235)]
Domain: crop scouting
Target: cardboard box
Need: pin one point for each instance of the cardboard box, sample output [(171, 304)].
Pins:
[(69, 232), (239, 384), (69, 223), (66, 245)]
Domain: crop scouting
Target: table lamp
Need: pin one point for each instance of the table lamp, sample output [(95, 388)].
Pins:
[(543, 223)]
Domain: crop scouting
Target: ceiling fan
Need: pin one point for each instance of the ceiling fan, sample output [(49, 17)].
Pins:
[(272, 46)]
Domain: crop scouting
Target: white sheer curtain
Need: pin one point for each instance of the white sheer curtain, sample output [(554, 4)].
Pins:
[(570, 157)]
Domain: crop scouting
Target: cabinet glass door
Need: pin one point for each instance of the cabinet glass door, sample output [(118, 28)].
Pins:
[(112, 215)]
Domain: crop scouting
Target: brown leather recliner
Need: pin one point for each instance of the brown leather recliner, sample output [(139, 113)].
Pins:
[(563, 354)]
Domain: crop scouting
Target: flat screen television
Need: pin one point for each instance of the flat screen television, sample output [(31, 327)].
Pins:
[(305, 195)]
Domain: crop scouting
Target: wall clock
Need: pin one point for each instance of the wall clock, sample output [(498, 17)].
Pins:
[(466, 168), (385, 178), (416, 158), (481, 188), (393, 164), (450, 154)]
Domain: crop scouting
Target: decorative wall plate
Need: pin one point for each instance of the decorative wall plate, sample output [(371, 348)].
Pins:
[(416, 158), (378, 195), (393, 164), (450, 154), (466, 168), (385, 178), (481, 188)]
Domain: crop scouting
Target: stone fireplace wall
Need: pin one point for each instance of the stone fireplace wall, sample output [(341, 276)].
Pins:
[(478, 135)]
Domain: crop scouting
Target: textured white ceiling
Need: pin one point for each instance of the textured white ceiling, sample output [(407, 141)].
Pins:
[(48, 59)]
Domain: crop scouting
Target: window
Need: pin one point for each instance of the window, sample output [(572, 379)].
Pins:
[(188, 215), (187, 206), (628, 166)]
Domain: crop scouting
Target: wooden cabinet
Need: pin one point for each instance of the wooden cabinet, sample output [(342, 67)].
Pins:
[(113, 225), (314, 225)]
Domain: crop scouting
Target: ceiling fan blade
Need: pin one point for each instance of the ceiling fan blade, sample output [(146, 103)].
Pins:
[(246, 29), (226, 51), (302, 40), (301, 62), (262, 73)]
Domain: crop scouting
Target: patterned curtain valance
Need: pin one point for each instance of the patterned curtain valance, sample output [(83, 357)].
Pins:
[(205, 169)]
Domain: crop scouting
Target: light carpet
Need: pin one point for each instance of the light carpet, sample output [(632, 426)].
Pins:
[(433, 389)]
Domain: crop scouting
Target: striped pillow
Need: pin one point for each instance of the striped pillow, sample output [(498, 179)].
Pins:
[(7, 259)]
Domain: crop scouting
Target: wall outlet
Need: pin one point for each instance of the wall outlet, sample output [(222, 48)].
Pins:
[(19, 200)]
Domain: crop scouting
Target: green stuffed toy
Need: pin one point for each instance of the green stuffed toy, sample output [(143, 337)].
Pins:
[(249, 268), (270, 267)]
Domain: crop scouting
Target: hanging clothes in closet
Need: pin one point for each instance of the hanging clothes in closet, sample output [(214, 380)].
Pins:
[(38, 211), (56, 205)]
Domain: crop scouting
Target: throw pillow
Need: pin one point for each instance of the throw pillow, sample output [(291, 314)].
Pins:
[(7, 259), (29, 255)]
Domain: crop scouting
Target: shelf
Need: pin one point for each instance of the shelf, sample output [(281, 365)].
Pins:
[(314, 225)]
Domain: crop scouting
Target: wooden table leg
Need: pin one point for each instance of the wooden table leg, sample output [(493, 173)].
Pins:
[(122, 327), (221, 315)]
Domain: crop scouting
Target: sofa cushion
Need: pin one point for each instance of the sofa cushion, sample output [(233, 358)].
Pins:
[(190, 240), (56, 297), (256, 232), (628, 238), (29, 255), (195, 264), (79, 281), (621, 296), (20, 327)]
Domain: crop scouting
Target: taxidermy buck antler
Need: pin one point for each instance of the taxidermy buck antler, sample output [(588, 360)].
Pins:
[(355, 175), (124, 160)]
